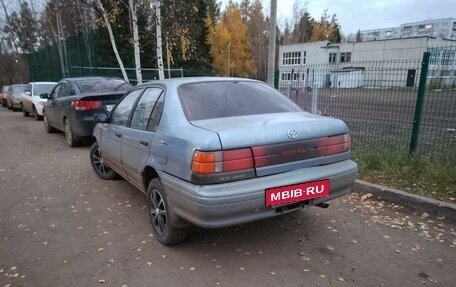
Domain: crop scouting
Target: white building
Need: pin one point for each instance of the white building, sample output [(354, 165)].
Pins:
[(383, 63), (441, 28)]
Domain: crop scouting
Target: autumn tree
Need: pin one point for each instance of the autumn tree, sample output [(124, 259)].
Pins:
[(327, 28), (257, 34), (185, 31), (220, 49), (232, 45)]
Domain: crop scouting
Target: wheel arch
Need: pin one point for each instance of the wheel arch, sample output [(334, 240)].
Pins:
[(149, 173)]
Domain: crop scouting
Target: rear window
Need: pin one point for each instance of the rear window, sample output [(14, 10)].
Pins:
[(211, 100), (102, 85)]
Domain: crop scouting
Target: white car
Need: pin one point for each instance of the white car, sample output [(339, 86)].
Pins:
[(31, 102)]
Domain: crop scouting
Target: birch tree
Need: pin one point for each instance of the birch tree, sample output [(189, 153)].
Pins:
[(134, 17), (113, 41), (157, 5)]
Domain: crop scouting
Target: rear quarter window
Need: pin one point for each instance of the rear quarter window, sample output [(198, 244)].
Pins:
[(210, 100)]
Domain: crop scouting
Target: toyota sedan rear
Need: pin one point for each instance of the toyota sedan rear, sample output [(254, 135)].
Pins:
[(216, 152)]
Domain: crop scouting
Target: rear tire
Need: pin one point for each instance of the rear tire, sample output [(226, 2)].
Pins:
[(96, 160), (162, 216), (71, 139), (47, 126), (36, 115), (26, 114)]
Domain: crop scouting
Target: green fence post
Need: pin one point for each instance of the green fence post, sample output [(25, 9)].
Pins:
[(276, 79), (419, 103)]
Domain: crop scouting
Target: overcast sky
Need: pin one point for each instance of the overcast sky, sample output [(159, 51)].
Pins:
[(368, 14)]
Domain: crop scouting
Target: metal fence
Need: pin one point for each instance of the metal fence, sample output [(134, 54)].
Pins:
[(76, 56), (385, 104)]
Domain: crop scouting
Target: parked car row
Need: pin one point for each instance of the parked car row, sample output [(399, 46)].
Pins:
[(210, 152), (68, 105)]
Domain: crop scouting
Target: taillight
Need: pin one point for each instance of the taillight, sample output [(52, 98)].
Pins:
[(336, 144), (222, 161), (85, 105)]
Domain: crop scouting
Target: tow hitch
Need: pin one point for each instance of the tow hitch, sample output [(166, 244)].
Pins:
[(323, 205)]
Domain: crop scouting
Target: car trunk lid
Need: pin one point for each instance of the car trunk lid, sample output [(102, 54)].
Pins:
[(279, 141)]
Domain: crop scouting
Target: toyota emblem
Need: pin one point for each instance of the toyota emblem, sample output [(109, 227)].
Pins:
[(292, 134)]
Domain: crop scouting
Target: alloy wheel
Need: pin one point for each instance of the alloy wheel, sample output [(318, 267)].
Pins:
[(157, 209)]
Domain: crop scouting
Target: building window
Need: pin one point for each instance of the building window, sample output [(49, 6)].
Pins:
[(332, 58), (286, 76), (292, 58), (304, 58), (345, 57)]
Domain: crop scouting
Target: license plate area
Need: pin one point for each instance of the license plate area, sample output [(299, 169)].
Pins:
[(297, 192)]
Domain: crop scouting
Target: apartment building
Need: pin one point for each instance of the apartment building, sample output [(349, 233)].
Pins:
[(440, 28)]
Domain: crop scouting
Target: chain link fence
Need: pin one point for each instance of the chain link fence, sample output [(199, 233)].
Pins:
[(378, 100), (76, 56)]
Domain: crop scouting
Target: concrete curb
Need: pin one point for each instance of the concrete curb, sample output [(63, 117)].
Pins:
[(413, 201)]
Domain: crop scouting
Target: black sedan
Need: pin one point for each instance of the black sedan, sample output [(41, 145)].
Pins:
[(74, 101)]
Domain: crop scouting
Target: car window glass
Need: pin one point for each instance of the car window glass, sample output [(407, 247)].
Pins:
[(64, 91), (102, 85), (56, 91), (140, 117), (28, 88), (231, 98), (156, 114), (17, 90), (42, 88), (122, 112)]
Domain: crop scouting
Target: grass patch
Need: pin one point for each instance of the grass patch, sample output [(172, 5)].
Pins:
[(433, 176)]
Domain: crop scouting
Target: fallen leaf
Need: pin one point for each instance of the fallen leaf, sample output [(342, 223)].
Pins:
[(101, 281), (149, 263), (273, 273), (192, 268), (341, 279), (322, 276)]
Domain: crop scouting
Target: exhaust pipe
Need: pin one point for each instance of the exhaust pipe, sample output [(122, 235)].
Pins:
[(323, 205)]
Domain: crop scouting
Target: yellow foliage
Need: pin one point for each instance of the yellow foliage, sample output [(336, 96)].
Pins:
[(230, 48)]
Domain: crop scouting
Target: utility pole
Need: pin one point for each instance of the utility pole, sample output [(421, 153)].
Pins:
[(157, 4), (272, 42), (229, 59)]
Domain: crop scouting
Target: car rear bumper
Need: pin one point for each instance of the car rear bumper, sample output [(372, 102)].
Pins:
[(219, 205)]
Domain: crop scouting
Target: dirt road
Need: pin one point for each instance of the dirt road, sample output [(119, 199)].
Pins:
[(60, 225)]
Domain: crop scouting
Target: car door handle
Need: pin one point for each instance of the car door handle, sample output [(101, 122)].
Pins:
[(118, 135), (144, 143)]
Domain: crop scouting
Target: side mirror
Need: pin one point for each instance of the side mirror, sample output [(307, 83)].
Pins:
[(100, 118), (27, 93), (45, 96)]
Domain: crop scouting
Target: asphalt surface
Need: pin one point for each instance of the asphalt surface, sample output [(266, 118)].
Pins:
[(60, 225)]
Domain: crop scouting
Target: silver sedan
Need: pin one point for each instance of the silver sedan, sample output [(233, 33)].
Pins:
[(216, 152)]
